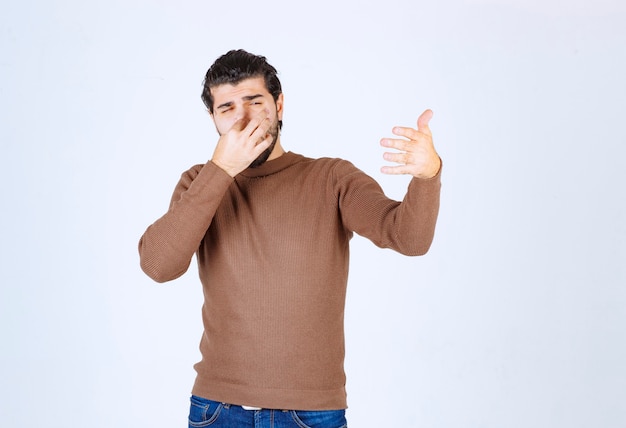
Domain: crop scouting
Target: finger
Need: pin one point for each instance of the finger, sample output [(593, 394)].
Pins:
[(401, 158), (261, 132), (423, 121), (422, 127), (255, 123), (402, 131), (395, 170), (262, 146), (396, 143)]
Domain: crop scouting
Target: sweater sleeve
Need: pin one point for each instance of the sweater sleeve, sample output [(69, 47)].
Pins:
[(407, 227), (167, 245)]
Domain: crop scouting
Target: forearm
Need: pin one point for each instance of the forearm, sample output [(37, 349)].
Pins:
[(407, 227), (167, 246), (417, 216)]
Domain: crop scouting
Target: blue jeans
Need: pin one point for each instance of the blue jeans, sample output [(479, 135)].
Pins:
[(208, 413)]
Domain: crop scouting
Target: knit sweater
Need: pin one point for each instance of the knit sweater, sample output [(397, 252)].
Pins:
[(272, 252)]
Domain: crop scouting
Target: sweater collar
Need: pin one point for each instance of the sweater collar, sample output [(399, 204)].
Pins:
[(272, 166)]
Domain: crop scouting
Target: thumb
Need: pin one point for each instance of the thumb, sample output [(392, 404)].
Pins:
[(423, 120)]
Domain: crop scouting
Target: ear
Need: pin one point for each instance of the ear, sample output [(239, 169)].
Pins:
[(279, 106)]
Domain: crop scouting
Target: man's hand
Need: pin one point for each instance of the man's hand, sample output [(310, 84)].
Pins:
[(242, 144), (417, 155)]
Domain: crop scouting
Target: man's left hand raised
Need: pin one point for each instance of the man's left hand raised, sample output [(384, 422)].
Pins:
[(415, 156)]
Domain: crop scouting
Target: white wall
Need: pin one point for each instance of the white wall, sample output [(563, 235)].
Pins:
[(517, 316)]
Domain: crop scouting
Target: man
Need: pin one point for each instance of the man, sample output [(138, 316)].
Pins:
[(270, 230)]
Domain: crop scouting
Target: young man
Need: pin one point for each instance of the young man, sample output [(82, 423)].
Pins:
[(270, 230)]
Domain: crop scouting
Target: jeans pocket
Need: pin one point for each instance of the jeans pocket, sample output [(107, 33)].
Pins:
[(203, 412), (320, 418)]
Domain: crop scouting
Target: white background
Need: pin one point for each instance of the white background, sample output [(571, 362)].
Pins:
[(516, 317)]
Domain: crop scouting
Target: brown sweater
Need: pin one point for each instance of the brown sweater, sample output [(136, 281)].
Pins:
[(272, 249)]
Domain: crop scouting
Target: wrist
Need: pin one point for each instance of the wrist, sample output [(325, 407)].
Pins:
[(228, 170), (432, 170)]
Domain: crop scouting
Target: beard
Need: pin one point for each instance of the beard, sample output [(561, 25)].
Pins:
[(262, 158)]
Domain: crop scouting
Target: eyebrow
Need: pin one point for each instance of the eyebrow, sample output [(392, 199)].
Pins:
[(246, 98)]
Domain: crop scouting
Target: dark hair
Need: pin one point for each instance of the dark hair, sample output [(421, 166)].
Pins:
[(235, 66)]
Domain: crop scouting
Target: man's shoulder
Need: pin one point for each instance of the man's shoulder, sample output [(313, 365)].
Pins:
[(324, 161)]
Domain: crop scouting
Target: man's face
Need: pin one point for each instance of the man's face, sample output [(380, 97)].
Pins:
[(244, 101)]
